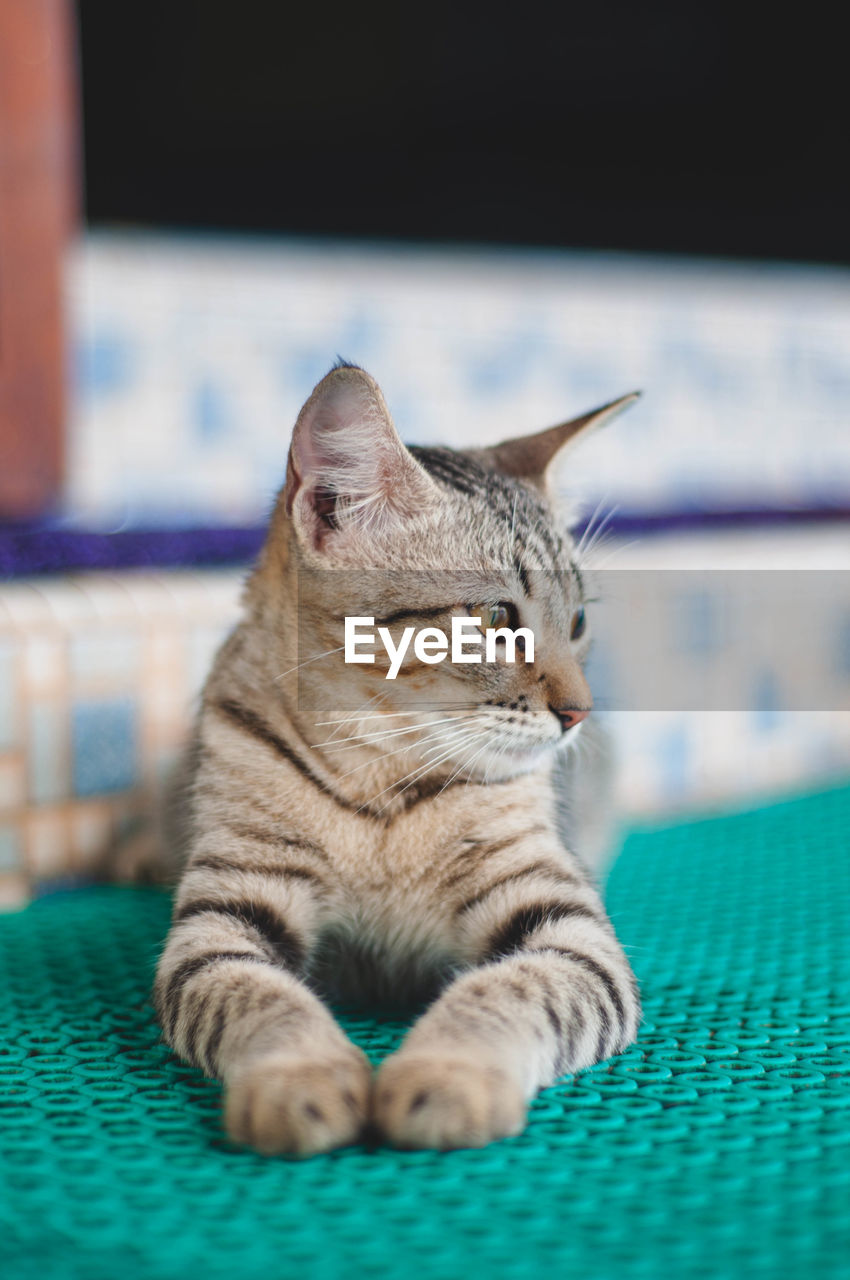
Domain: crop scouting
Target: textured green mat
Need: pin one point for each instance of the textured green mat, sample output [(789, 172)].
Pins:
[(720, 1146)]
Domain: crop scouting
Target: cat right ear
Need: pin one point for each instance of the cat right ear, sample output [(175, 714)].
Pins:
[(349, 471), (530, 457)]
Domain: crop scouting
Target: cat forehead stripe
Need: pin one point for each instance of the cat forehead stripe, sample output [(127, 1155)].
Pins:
[(517, 506), (452, 468)]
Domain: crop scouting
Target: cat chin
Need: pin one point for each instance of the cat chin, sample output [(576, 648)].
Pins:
[(515, 762)]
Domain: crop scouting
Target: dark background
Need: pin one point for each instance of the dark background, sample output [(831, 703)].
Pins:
[(660, 125)]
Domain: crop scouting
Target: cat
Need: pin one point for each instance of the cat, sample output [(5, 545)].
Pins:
[(345, 834)]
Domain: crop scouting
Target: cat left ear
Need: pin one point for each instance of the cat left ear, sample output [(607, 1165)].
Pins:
[(528, 457), (348, 468)]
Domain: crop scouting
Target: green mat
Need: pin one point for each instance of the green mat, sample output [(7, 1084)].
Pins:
[(719, 1146)]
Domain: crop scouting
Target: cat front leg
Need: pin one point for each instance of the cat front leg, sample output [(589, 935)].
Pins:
[(551, 992), (231, 1000)]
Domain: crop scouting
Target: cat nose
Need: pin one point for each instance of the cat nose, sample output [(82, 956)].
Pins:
[(570, 716)]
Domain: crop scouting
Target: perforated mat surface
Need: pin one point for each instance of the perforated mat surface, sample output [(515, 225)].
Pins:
[(719, 1146)]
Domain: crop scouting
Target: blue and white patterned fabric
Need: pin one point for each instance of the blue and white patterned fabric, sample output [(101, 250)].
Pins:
[(192, 357)]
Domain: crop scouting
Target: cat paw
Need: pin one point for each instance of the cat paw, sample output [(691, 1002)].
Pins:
[(280, 1104), (445, 1101)]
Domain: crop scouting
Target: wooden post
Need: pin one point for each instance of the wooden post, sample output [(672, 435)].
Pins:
[(38, 204)]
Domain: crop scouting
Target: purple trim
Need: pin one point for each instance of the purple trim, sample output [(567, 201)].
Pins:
[(38, 550), (631, 523), (26, 551)]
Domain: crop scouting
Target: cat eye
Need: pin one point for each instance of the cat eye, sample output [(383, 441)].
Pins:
[(578, 624), (502, 614)]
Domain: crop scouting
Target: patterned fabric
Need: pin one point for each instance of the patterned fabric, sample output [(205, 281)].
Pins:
[(193, 357), (97, 680)]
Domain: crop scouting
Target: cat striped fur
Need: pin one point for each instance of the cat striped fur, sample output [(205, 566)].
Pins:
[(345, 836)]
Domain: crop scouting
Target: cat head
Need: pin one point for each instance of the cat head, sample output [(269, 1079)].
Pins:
[(415, 536)]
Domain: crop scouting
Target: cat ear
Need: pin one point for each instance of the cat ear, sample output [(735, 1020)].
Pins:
[(528, 457), (348, 469)]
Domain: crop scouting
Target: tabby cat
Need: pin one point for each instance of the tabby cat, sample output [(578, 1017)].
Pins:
[(345, 834)]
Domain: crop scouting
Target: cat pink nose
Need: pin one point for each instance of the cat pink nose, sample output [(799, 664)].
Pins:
[(571, 716)]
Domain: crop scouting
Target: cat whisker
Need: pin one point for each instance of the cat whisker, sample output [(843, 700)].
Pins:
[(413, 776), (307, 662), (433, 764), (381, 735), (465, 764), (457, 738), (501, 749), (595, 540), (589, 531), (377, 741), (387, 715), (357, 719), (470, 761), (385, 755), (360, 711)]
